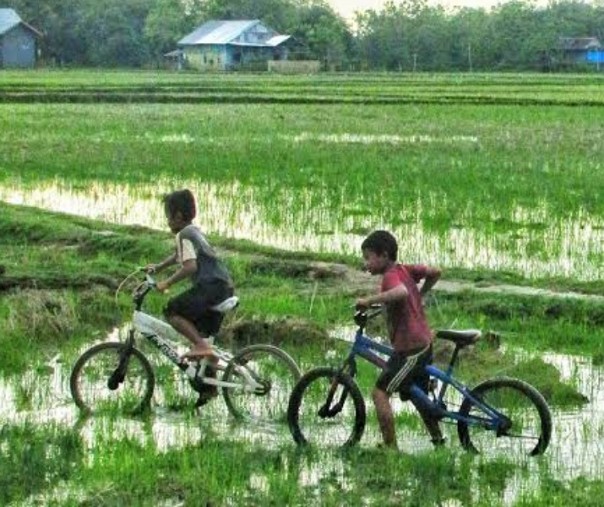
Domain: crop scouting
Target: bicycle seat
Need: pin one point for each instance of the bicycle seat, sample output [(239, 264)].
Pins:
[(226, 305), (461, 338)]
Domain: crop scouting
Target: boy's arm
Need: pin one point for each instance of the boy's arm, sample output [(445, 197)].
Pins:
[(432, 276), (397, 293), (168, 261), (189, 267)]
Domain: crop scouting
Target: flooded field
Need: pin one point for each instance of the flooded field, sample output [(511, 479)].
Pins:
[(501, 186), (553, 248), (42, 397)]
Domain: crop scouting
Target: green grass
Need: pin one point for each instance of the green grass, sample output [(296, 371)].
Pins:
[(87, 86), (487, 187), (491, 177), (124, 472)]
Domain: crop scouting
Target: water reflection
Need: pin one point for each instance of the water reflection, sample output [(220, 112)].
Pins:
[(576, 448), (296, 220), (577, 433)]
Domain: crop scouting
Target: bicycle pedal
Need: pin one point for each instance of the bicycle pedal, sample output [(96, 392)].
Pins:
[(206, 394), (201, 401)]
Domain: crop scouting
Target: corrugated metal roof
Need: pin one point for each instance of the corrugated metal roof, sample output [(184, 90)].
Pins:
[(8, 19), (277, 39), (579, 43), (271, 43), (217, 32)]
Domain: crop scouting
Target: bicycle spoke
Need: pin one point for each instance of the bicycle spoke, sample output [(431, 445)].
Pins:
[(326, 409), (274, 374), (98, 386), (524, 420)]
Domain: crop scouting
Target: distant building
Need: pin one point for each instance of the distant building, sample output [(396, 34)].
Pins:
[(18, 41), (228, 45), (580, 51)]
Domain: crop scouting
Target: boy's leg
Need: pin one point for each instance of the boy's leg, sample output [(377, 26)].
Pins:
[(386, 383), (381, 399), (422, 379), (431, 425), (185, 327), (182, 312)]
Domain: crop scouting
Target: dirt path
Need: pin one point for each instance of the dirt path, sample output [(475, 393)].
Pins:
[(359, 280)]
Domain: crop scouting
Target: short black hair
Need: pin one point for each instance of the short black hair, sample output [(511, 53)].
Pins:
[(182, 201), (381, 242)]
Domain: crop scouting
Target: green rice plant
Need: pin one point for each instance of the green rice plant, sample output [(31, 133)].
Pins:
[(33, 458)]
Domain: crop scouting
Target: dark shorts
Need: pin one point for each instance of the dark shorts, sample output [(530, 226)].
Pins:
[(404, 369), (194, 305)]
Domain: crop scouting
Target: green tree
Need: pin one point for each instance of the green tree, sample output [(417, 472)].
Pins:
[(114, 32), (326, 35), (167, 22)]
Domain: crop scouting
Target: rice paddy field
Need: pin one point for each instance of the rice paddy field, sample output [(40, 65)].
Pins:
[(494, 178)]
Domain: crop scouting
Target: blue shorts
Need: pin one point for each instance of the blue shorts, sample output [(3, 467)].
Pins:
[(404, 369), (195, 305)]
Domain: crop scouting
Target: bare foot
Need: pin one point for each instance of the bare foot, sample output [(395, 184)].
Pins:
[(197, 353)]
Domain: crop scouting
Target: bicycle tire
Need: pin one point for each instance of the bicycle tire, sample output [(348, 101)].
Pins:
[(91, 375), (531, 421), (277, 371), (309, 397)]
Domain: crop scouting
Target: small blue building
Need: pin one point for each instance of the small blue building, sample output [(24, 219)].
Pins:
[(581, 51), (228, 45), (18, 41)]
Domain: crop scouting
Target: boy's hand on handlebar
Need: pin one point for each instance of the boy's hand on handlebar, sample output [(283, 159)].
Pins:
[(362, 304), (162, 286), (150, 268)]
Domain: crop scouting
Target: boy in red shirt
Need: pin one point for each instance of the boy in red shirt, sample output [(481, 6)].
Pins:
[(408, 329)]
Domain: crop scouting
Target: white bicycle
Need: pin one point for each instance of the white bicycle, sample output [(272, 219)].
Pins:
[(256, 382)]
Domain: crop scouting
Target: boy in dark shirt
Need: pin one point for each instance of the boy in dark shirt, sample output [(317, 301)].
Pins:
[(408, 329), (190, 312)]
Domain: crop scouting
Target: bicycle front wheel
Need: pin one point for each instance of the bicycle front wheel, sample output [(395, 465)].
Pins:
[(272, 370), (526, 426), (326, 408), (99, 384)]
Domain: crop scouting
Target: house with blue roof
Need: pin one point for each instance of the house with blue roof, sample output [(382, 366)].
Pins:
[(228, 45), (18, 41)]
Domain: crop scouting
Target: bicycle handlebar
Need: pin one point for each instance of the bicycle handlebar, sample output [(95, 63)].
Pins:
[(362, 315), (142, 289)]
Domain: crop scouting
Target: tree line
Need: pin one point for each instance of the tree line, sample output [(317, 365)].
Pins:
[(409, 35)]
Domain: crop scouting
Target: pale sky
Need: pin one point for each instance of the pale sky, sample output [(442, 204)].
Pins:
[(347, 7)]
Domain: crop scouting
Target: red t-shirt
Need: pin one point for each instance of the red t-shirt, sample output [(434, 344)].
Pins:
[(407, 325)]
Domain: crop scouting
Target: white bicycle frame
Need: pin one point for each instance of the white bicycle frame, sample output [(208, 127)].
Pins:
[(158, 332)]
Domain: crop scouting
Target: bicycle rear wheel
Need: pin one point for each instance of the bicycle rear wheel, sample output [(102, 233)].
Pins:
[(529, 423), (274, 370), (326, 408), (98, 384)]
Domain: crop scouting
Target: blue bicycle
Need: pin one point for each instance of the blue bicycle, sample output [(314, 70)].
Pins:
[(503, 415)]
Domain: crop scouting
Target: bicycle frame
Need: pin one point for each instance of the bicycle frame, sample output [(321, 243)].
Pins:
[(368, 349), (157, 331)]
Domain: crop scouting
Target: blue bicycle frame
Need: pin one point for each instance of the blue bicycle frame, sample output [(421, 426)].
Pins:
[(369, 349)]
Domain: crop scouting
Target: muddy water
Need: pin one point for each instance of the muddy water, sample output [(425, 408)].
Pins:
[(576, 448), (566, 248), (42, 399), (577, 444)]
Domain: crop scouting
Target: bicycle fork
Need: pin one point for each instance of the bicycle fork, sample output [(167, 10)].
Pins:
[(118, 375), (327, 410)]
